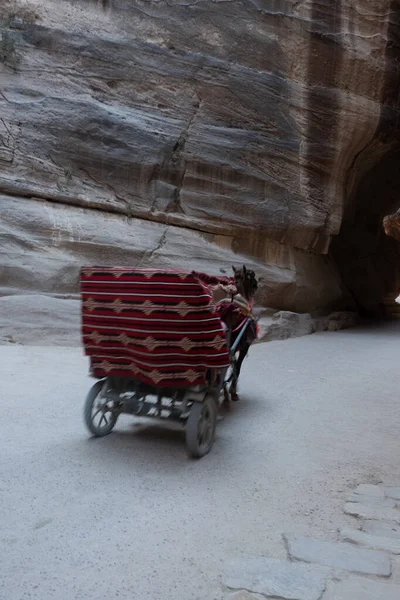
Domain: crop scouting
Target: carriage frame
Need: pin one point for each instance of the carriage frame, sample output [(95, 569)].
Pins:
[(196, 407)]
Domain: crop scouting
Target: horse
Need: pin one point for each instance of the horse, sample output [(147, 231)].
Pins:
[(234, 312)]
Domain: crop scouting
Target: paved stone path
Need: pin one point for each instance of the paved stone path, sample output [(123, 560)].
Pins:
[(361, 589), (276, 578), (129, 517), (319, 570)]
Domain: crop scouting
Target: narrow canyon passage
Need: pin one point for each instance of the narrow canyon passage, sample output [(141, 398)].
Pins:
[(367, 259)]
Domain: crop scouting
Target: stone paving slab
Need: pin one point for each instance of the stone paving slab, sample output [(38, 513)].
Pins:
[(338, 555), (243, 595), (393, 492), (276, 578), (372, 500), (378, 542), (380, 528), (367, 489), (356, 588), (369, 511)]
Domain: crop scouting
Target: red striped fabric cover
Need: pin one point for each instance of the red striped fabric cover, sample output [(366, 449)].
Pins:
[(157, 326)]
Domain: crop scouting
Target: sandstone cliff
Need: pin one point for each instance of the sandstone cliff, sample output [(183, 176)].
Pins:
[(193, 133)]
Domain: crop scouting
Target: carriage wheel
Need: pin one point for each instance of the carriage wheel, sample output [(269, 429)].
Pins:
[(99, 411), (200, 427)]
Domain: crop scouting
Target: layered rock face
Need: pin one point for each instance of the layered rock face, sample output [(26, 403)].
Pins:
[(191, 134)]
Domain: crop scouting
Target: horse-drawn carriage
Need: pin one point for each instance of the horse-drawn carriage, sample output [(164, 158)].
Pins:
[(159, 348)]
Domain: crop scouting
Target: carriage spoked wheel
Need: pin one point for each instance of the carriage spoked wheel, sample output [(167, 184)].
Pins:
[(200, 427), (100, 413)]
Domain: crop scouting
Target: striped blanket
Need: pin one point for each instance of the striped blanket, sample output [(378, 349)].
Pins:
[(157, 326)]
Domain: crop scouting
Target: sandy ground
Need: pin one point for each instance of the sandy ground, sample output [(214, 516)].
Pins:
[(131, 517)]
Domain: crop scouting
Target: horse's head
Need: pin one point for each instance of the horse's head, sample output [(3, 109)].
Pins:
[(246, 282)]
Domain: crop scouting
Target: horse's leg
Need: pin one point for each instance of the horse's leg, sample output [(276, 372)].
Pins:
[(242, 355), (233, 386), (227, 399), (243, 350), (226, 403)]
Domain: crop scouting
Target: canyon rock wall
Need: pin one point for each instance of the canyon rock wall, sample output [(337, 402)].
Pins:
[(190, 134)]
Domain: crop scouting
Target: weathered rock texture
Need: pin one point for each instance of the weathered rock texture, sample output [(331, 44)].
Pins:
[(196, 134)]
